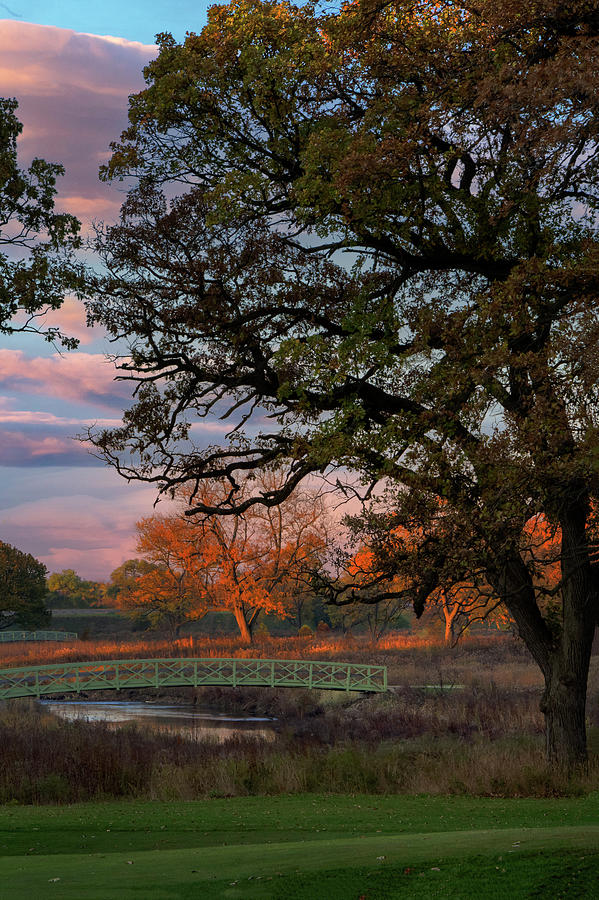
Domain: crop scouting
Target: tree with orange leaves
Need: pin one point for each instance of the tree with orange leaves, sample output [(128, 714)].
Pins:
[(166, 591), (252, 564), (262, 558), (461, 605), (361, 596), (395, 567)]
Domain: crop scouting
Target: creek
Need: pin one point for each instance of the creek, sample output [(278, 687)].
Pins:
[(189, 721)]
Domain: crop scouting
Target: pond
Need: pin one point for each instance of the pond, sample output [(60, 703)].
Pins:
[(195, 722)]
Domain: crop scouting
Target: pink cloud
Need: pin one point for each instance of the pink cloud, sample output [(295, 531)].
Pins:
[(96, 564), (82, 377), (92, 532), (39, 418), (72, 90), (20, 449), (72, 320)]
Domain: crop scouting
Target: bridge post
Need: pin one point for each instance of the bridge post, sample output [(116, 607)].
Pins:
[(116, 677), (37, 684), (272, 673), (348, 679), (234, 673), (156, 682), (310, 672)]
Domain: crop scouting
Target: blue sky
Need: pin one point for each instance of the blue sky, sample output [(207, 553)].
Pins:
[(133, 19)]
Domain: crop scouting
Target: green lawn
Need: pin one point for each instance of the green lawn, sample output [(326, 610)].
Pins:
[(335, 848)]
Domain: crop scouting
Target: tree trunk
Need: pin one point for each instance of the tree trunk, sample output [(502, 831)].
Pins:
[(242, 624), (563, 650), (450, 614), (174, 629), (564, 700), (563, 706)]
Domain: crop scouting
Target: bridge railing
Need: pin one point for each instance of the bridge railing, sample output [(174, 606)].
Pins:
[(40, 681), (7, 637)]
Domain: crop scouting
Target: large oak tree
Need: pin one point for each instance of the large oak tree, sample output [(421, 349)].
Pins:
[(369, 237)]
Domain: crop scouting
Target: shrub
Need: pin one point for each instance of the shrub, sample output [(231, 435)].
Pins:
[(261, 631)]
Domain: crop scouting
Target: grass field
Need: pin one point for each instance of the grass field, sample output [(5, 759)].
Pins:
[(290, 817), (311, 846)]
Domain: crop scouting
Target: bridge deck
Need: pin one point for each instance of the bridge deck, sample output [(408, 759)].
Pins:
[(117, 674)]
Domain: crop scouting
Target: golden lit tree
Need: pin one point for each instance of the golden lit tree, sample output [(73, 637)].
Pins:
[(165, 591), (255, 563), (362, 595)]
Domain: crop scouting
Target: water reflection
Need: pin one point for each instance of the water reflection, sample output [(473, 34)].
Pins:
[(195, 722)]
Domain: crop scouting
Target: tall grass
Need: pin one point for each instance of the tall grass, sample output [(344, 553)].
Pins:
[(387, 748), (222, 645)]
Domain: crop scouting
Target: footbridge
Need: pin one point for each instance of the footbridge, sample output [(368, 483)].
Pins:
[(125, 674), (7, 637)]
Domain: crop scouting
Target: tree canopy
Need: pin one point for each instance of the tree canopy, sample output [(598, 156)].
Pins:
[(123, 579), (36, 268), (260, 561), (67, 588), (368, 237), (22, 589)]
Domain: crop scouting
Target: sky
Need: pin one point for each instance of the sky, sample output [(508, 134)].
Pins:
[(72, 66), (134, 20)]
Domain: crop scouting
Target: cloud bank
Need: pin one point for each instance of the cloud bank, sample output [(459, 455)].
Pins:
[(86, 378), (91, 531), (72, 90), (57, 501)]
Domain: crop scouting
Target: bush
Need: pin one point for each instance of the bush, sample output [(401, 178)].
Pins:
[(305, 632)]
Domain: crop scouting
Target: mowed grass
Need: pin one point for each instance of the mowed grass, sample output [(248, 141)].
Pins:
[(333, 847)]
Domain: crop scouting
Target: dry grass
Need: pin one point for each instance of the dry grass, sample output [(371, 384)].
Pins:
[(389, 747), (483, 738), (410, 659)]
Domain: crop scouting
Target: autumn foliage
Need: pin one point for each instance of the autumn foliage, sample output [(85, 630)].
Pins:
[(254, 563)]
